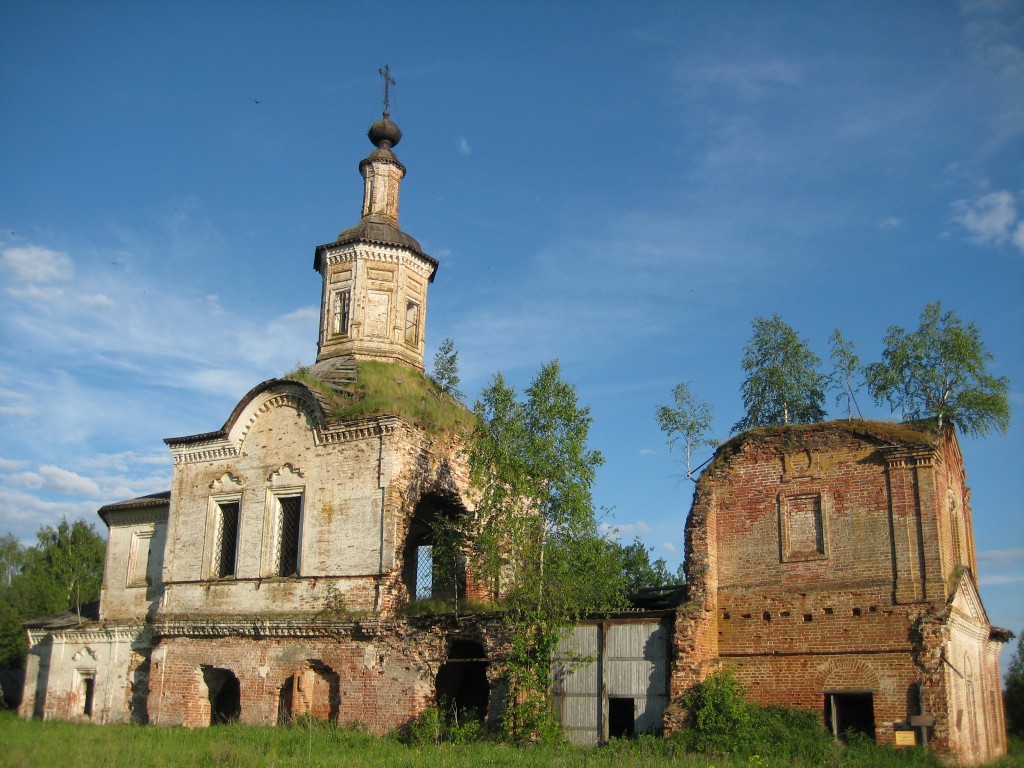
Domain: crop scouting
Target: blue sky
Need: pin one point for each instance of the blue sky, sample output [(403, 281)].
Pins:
[(621, 186)]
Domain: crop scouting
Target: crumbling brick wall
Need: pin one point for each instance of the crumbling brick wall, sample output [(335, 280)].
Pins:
[(818, 557), (384, 671)]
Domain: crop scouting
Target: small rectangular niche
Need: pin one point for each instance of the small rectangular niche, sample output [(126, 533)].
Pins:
[(802, 527), (88, 690)]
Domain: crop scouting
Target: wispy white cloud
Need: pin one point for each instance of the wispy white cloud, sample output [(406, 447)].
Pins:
[(463, 146), (1000, 578), (626, 531), (35, 294), (753, 79), (990, 219), (33, 263), (23, 513), (892, 222), (15, 404), (68, 483), (1002, 557), (98, 300)]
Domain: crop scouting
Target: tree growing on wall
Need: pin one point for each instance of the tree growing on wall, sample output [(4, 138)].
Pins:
[(446, 369), (536, 541), (846, 369), (686, 424), (940, 371), (63, 571), (783, 384)]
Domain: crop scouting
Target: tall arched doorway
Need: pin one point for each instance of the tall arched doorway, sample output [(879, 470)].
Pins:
[(225, 695)]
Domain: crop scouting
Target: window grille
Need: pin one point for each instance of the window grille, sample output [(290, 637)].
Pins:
[(424, 572), (226, 545), (288, 523), (412, 322), (342, 308)]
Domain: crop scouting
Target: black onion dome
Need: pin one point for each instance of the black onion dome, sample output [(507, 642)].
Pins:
[(384, 133)]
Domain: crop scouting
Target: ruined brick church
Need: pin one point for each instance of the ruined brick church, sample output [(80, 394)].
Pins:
[(832, 566)]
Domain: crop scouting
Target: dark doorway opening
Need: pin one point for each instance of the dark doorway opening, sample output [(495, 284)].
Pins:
[(621, 717), (461, 686), (89, 684), (225, 695), (850, 712)]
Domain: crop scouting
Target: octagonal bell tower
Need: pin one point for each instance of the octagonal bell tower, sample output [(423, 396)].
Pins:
[(375, 277)]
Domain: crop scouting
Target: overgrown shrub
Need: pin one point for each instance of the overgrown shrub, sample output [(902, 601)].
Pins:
[(444, 724), (724, 723), (720, 716)]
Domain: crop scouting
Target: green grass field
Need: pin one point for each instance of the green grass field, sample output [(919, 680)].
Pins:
[(33, 744)]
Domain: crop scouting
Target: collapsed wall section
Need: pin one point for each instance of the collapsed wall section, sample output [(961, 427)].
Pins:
[(377, 673)]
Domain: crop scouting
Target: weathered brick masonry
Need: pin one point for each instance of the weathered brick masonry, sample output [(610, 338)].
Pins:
[(834, 565)]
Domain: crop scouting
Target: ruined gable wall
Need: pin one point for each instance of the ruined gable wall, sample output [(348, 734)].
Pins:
[(804, 574), (360, 482)]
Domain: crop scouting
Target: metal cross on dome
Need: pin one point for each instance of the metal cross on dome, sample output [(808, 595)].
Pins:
[(385, 73)]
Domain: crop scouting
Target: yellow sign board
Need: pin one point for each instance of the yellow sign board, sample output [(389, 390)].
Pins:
[(906, 738)]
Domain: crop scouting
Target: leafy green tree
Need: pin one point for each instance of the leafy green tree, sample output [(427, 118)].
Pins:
[(12, 556), (783, 384), (63, 571), (940, 371), (536, 541), (1013, 695), (686, 423), (446, 369), (638, 570), (846, 367)]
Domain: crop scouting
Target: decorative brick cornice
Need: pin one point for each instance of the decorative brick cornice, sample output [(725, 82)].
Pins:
[(386, 254), (133, 633), (361, 430), (203, 452), (258, 628), (905, 457), (137, 517)]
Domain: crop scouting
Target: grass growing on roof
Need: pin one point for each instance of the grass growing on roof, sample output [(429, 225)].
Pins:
[(391, 389)]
